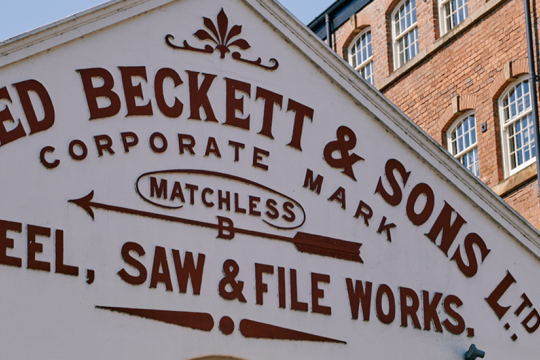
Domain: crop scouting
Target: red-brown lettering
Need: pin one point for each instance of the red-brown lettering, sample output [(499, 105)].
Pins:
[(459, 326), (317, 293), (258, 157), (260, 286), (162, 139), (143, 274), (160, 191), (204, 199), (236, 104), (420, 218), (449, 230), (295, 304), (386, 227), (129, 139), (253, 202), (47, 164), (189, 145), (237, 146), (192, 189), (189, 271), (409, 309), (339, 196), (365, 211), (430, 311), (34, 248), (395, 197), (527, 321), (160, 262), (357, 296), (170, 111), (389, 317), (60, 267), (7, 243), (237, 208), (313, 185), (106, 91), (525, 304), (289, 215), (272, 212), (212, 148), (281, 288), (224, 200), (104, 142), (270, 99), (301, 112), (23, 89), (5, 115), (496, 295), (82, 146), (132, 92), (175, 193), (471, 240), (198, 96)]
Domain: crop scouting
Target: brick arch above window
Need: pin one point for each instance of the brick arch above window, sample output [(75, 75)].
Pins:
[(389, 5), (458, 106), (359, 22), (511, 71)]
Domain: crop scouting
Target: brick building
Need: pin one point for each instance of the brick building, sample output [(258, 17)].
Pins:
[(459, 69)]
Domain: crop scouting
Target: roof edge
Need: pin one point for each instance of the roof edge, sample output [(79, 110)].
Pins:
[(69, 28), (57, 22), (404, 128), (322, 16)]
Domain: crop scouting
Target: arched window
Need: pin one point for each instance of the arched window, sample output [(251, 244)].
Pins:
[(452, 12), (462, 142), (361, 56), (404, 32), (517, 128)]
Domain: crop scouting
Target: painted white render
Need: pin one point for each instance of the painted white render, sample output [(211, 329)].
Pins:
[(324, 105)]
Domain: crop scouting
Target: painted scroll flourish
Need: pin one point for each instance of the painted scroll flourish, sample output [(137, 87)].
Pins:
[(223, 38)]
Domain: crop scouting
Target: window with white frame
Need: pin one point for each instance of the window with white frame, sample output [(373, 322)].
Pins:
[(517, 128), (361, 56), (462, 142), (404, 32), (452, 13)]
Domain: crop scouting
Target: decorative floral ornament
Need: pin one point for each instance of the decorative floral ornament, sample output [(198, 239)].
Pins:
[(222, 37)]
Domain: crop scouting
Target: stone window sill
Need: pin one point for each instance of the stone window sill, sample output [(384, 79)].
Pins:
[(515, 181)]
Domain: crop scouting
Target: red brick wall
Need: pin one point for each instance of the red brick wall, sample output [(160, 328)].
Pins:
[(525, 201), (471, 65)]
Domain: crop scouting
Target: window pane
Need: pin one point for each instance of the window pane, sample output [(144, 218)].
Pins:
[(463, 143), (405, 20)]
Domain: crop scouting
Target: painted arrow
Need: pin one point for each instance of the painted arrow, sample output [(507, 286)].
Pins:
[(205, 322), (307, 243), (197, 321)]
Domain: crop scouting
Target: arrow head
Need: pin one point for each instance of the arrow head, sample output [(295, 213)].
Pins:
[(84, 202)]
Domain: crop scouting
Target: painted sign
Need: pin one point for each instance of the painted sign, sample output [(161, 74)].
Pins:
[(197, 179)]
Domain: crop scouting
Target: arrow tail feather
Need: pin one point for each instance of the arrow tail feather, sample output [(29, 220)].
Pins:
[(330, 247)]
